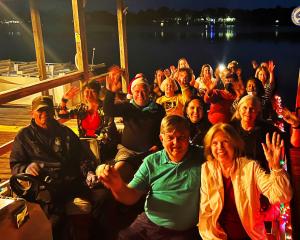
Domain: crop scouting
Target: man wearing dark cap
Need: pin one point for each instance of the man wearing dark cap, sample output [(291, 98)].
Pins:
[(45, 142)]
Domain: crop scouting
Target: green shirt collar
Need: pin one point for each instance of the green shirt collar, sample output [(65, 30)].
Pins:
[(165, 158)]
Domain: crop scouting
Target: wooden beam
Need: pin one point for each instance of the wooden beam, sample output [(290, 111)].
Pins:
[(123, 43), (38, 39), (80, 37), (32, 88), (6, 147), (5, 189)]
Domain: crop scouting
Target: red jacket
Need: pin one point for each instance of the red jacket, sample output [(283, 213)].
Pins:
[(220, 103)]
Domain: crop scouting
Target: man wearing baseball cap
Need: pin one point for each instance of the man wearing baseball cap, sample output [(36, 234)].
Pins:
[(46, 142)]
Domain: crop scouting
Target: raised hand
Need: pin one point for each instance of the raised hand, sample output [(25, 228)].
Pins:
[(113, 80), (271, 66), (71, 92), (272, 149), (212, 85), (239, 73), (217, 73), (290, 117), (254, 64)]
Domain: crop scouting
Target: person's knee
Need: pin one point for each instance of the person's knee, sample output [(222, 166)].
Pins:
[(125, 169), (78, 206), (100, 169), (128, 234)]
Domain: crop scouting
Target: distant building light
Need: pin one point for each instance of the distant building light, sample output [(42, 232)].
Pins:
[(276, 21), (10, 22), (229, 19), (162, 24), (229, 35)]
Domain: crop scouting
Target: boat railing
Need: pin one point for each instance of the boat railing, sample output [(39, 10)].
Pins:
[(5, 189), (37, 87)]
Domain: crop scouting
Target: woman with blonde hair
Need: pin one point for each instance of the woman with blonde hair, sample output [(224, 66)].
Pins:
[(159, 77), (247, 121), (265, 73), (205, 78), (231, 186), (183, 63)]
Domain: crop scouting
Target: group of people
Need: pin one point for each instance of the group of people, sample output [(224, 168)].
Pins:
[(185, 141)]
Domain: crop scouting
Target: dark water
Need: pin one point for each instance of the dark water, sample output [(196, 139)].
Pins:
[(152, 47)]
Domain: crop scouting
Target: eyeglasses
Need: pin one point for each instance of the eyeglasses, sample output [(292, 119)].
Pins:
[(180, 138)]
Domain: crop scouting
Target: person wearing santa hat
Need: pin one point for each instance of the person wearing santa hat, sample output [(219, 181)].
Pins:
[(141, 118)]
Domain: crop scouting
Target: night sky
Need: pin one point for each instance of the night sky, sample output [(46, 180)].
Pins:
[(136, 5)]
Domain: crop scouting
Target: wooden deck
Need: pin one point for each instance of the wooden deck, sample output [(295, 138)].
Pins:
[(12, 119)]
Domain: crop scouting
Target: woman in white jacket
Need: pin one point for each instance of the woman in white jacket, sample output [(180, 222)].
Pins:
[(231, 186)]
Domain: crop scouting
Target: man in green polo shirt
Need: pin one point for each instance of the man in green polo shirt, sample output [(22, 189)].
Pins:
[(171, 180)]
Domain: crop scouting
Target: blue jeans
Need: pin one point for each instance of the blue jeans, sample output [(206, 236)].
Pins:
[(143, 229)]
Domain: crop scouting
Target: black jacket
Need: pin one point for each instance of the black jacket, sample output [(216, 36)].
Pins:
[(57, 144), (141, 125), (254, 138)]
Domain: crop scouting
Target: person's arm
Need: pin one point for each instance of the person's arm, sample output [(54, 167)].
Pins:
[(254, 64), (113, 80), (271, 67), (159, 81), (19, 159), (276, 185), (212, 96), (20, 162), (186, 93), (295, 136), (112, 109), (206, 226), (111, 179), (113, 85), (196, 85), (294, 122), (62, 109), (193, 80)]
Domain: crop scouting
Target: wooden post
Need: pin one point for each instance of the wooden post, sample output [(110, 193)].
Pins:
[(123, 43), (80, 38), (38, 41)]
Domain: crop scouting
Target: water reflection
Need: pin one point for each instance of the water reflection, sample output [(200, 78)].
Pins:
[(14, 33), (208, 32), (226, 33)]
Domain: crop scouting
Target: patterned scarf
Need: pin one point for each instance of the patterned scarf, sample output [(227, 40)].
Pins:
[(151, 107)]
